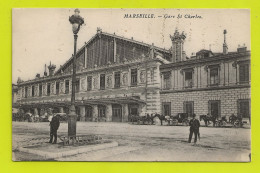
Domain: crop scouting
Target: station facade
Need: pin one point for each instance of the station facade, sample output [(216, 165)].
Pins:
[(118, 77)]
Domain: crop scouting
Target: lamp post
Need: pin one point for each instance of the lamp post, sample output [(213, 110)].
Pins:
[(76, 20)]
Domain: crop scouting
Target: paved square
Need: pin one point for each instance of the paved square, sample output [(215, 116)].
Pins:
[(145, 142)]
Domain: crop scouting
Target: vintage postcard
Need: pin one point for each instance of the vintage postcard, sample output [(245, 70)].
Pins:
[(131, 85)]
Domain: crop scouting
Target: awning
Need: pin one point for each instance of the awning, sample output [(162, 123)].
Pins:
[(116, 100)]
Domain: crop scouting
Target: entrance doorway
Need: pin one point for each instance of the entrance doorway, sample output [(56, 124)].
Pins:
[(133, 109), (166, 106), (77, 113), (214, 108), (244, 108), (88, 113), (101, 113), (116, 113), (188, 107)]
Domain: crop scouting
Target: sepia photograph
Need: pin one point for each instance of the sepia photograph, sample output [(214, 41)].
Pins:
[(146, 85)]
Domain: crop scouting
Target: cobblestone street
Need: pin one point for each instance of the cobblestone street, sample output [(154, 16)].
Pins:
[(145, 142)]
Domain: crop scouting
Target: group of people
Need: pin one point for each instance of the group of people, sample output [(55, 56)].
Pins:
[(193, 123)]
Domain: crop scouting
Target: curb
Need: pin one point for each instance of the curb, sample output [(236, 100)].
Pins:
[(52, 155)]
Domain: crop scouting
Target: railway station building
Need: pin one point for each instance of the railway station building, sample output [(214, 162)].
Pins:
[(118, 77)]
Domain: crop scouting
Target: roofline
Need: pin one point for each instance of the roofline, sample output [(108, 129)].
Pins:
[(85, 71), (212, 58), (115, 36)]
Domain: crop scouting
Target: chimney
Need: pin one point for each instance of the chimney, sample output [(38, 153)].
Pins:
[(45, 70), (225, 47), (51, 68), (177, 46), (38, 75), (242, 48)]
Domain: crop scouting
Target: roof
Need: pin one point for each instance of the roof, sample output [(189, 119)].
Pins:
[(216, 56), (118, 37)]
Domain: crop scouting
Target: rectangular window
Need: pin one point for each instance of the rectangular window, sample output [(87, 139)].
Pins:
[(89, 80), (77, 85), (167, 80), (188, 107), (101, 111), (102, 81), (40, 90), (166, 106), (57, 88), (244, 108), (214, 108), (133, 77), (152, 74), (214, 77), (48, 89), (117, 80), (26, 92), (33, 91), (243, 73), (67, 86), (188, 79)]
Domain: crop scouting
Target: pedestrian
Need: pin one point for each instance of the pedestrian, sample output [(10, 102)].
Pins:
[(194, 128), (54, 125)]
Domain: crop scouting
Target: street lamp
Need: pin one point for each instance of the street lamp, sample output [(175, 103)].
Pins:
[(76, 20)]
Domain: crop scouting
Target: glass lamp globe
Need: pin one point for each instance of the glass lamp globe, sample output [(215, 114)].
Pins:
[(75, 27)]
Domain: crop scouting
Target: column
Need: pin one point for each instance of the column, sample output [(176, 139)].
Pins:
[(82, 113), (109, 112), (35, 112), (142, 109), (61, 110), (95, 112), (125, 113)]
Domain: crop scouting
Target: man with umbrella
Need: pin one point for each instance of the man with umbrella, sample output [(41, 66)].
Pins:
[(194, 128)]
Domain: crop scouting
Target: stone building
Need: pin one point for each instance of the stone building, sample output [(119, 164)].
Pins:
[(207, 83), (117, 77)]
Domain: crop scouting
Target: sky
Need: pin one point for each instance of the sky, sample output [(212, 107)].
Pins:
[(41, 36)]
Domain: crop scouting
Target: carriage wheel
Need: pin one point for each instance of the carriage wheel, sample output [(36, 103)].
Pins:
[(175, 122), (218, 124), (236, 124)]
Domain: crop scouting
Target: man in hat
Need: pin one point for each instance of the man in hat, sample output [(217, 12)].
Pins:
[(54, 125), (194, 128)]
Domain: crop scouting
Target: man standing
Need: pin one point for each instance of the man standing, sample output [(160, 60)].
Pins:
[(194, 128), (54, 125)]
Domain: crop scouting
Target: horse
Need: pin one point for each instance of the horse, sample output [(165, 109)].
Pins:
[(207, 119), (221, 122), (147, 118), (235, 120), (161, 117)]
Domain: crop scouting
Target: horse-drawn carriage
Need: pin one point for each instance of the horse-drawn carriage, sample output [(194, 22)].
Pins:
[(180, 118), (147, 119), (235, 121), (238, 121)]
